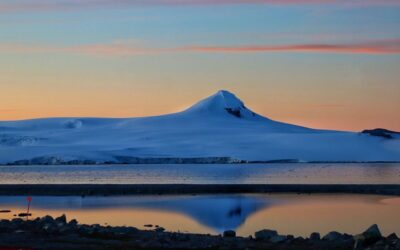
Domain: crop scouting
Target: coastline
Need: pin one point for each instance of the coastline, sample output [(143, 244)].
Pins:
[(45, 161), (166, 189), (59, 233)]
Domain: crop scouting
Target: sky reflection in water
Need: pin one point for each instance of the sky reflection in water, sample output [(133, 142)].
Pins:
[(287, 213)]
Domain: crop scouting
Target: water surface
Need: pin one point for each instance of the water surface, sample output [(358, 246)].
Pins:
[(287, 213), (302, 173)]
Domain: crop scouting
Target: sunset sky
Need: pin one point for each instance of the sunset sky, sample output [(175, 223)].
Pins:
[(320, 63)]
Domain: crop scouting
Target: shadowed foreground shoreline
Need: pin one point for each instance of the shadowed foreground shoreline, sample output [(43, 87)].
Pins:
[(160, 189), (48, 233)]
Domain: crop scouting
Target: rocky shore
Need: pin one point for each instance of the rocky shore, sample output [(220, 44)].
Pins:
[(58, 233)]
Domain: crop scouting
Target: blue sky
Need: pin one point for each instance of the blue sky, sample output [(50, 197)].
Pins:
[(332, 64)]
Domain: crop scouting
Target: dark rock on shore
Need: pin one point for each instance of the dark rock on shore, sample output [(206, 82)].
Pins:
[(393, 236), (61, 219), (372, 234), (368, 237), (46, 219), (333, 236), (315, 236), (265, 234), (24, 214), (229, 234), (277, 239), (56, 234)]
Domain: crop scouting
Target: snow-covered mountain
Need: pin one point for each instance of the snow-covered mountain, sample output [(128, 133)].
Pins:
[(215, 128)]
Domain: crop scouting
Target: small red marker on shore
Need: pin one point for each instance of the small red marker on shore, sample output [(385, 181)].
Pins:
[(29, 199)]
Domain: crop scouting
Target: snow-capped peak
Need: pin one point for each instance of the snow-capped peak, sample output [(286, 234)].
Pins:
[(228, 99), (218, 126), (223, 102)]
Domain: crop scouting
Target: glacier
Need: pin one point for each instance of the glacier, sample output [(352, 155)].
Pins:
[(218, 129)]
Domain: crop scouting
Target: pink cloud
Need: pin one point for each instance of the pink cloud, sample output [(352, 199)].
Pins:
[(389, 47)]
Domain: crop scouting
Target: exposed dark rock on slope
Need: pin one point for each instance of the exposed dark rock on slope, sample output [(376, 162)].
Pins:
[(381, 132)]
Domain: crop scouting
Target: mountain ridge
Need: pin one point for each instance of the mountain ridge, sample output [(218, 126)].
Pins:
[(219, 126)]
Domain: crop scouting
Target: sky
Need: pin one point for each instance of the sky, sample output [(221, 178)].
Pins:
[(331, 64)]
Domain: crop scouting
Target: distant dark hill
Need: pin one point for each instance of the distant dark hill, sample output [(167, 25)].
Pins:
[(381, 132)]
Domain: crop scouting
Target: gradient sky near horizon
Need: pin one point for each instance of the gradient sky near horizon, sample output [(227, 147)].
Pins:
[(331, 64)]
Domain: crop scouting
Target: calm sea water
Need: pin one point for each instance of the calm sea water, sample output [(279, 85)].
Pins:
[(302, 173), (287, 213)]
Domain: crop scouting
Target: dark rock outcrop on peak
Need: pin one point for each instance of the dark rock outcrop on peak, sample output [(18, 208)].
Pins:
[(381, 132), (235, 112), (58, 233)]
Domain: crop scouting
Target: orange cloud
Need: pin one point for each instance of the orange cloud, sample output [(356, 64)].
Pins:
[(389, 46)]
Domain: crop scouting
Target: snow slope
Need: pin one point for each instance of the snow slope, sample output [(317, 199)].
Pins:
[(218, 126)]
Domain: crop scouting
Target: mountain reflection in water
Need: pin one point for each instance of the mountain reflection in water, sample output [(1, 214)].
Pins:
[(246, 214), (217, 212)]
